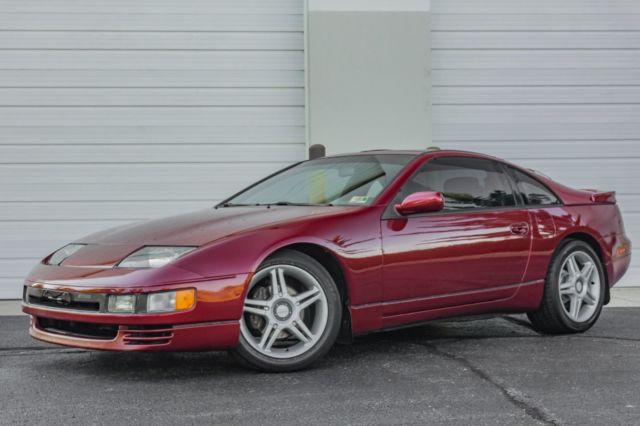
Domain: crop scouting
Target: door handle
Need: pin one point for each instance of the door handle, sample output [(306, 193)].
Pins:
[(520, 228)]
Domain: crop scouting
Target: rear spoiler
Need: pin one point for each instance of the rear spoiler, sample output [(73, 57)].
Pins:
[(602, 197)]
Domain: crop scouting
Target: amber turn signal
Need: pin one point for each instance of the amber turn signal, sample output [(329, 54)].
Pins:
[(170, 301), (185, 299)]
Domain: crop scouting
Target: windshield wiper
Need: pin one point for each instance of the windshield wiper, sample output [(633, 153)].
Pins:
[(234, 205), (276, 203), (289, 203)]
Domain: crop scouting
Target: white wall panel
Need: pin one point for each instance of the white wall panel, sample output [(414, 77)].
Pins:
[(526, 95), (151, 20), (118, 135), (446, 133), (552, 85), (523, 77), (10, 268), (523, 114), (101, 40), (114, 111), (368, 64), (577, 20), (502, 7), (550, 58), (131, 182), (275, 7), (151, 153), (151, 59), (535, 40), (152, 97), (114, 79), (171, 116)]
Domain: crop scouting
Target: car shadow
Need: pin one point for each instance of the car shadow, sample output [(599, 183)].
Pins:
[(167, 366)]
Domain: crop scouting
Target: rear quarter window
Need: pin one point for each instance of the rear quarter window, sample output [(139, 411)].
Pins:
[(532, 191)]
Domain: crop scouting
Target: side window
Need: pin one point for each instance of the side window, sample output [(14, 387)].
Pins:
[(533, 193), (465, 183)]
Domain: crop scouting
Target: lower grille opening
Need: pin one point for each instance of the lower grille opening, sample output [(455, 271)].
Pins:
[(78, 329), (82, 306), (148, 335)]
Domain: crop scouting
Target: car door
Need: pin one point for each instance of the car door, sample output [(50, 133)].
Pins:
[(474, 250)]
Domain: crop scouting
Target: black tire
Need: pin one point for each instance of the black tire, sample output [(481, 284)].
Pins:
[(252, 358), (552, 318)]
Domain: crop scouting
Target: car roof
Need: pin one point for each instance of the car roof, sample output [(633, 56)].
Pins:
[(379, 152), (415, 152)]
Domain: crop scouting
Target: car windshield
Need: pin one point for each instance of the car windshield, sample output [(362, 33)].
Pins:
[(348, 180)]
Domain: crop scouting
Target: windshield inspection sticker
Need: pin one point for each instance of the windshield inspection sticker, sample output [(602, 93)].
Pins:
[(359, 199)]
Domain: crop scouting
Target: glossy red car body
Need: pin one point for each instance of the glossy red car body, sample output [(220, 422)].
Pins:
[(476, 262)]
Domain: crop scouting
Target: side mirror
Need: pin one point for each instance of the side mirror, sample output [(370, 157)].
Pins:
[(421, 202)]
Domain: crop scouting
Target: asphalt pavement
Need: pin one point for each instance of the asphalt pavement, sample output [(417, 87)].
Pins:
[(484, 372)]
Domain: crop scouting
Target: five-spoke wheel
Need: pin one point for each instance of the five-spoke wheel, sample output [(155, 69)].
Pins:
[(285, 311), (579, 286), (574, 290), (291, 313)]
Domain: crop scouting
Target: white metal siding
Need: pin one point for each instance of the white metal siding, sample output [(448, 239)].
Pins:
[(113, 111), (551, 84)]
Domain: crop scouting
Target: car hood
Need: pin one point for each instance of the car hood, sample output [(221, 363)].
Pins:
[(93, 266), (205, 226)]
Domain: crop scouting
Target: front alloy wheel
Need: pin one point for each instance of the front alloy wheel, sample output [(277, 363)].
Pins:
[(291, 314)]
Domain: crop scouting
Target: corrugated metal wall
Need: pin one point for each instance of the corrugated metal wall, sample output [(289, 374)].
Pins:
[(550, 84), (113, 111)]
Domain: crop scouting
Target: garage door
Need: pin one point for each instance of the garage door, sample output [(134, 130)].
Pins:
[(553, 85), (113, 111)]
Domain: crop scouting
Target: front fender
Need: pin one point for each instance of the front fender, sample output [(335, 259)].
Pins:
[(353, 239)]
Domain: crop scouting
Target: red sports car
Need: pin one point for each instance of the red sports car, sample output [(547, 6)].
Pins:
[(333, 248)]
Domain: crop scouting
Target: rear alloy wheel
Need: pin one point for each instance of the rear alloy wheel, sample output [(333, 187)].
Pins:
[(574, 291), (579, 286), (291, 315)]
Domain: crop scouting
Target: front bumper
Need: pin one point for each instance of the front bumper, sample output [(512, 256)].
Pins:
[(182, 337), (213, 322)]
